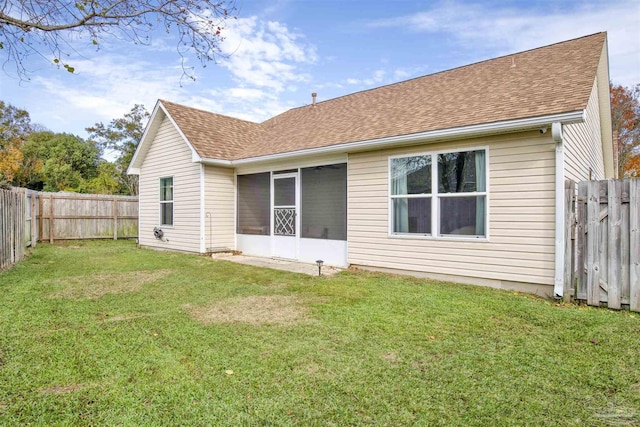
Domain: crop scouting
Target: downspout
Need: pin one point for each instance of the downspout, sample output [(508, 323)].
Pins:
[(556, 134), (203, 248)]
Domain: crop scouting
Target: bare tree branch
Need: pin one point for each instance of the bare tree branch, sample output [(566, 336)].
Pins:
[(51, 28)]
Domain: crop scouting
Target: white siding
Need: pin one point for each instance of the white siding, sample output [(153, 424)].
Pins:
[(169, 155), (521, 215), (583, 144), (220, 208)]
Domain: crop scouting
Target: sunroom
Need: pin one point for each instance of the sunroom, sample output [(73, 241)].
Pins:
[(296, 214)]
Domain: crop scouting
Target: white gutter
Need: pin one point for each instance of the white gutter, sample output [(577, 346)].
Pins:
[(216, 162), (558, 286), (430, 136)]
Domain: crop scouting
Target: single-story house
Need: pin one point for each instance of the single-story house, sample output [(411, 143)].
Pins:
[(457, 175)]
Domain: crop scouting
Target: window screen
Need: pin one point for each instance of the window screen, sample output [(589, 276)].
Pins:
[(254, 201), (324, 202)]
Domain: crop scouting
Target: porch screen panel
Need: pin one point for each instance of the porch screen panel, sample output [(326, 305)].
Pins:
[(254, 201), (324, 202)]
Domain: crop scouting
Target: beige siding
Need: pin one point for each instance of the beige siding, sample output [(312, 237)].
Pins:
[(219, 190), (521, 215), (583, 144), (169, 155)]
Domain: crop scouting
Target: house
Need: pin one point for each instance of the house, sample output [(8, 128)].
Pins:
[(456, 175)]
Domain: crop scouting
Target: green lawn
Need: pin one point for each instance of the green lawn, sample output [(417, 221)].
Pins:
[(103, 333)]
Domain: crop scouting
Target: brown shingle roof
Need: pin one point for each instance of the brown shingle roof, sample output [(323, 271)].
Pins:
[(213, 135), (548, 80)]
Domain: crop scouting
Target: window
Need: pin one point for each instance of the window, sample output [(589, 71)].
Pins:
[(166, 201), (324, 202), (411, 194), (254, 199), (441, 194)]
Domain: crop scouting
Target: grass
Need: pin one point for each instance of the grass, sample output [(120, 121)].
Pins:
[(102, 333)]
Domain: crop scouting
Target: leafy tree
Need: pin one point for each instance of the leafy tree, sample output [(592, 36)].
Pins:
[(106, 182), (625, 115), (14, 123), (51, 28), (122, 135), (15, 126), (10, 162), (67, 161)]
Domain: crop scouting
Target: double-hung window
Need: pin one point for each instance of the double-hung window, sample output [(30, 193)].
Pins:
[(166, 201), (439, 194)]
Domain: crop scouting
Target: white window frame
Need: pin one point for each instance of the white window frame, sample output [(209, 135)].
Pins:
[(435, 197), (162, 202)]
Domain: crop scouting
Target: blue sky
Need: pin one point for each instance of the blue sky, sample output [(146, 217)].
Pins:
[(279, 51)]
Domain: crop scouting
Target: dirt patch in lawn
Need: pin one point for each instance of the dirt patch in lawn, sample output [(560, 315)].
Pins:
[(256, 310), (59, 389), (391, 357), (97, 285)]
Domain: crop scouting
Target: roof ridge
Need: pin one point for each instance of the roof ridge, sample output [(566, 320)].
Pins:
[(442, 71)]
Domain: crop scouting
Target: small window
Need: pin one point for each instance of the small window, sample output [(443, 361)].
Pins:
[(166, 201)]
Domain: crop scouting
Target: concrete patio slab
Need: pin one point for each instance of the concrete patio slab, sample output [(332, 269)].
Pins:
[(278, 264)]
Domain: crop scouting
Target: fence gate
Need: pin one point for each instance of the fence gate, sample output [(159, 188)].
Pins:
[(606, 259)]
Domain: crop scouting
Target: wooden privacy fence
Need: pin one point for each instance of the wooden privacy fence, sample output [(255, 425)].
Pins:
[(12, 227), (603, 242), (28, 216), (86, 216)]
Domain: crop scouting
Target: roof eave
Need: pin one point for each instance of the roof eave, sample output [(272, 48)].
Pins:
[(471, 131)]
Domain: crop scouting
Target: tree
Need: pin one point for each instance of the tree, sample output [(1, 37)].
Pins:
[(123, 136), (106, 182), (15, 126), (10, 162), (625, 118), (50, 28), (14, 123), (67, 162)]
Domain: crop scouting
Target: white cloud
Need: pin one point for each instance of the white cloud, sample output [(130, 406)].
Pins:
[(265, 54), (376, 78), (383, 77), (261, 71), (103, 89), (481, 27)]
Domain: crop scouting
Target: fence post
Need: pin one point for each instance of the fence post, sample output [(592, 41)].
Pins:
[(115, 218), (40, 216), (34, 226), (614, 205), (581, 236), (634, 244), (12, 229), (51, 218), (569, 194), (593, 242)]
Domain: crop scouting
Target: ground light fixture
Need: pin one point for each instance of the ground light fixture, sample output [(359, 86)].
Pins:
[(319, 262)]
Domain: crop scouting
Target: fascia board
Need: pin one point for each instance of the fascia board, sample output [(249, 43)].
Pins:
[(422, 137)]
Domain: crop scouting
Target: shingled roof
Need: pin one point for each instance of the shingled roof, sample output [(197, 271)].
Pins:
[(213, 135), (549, 80)]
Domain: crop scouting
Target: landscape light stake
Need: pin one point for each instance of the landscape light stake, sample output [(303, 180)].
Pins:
[(319, 262)]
